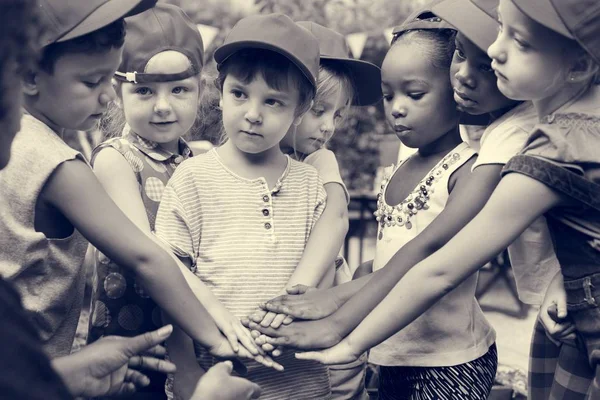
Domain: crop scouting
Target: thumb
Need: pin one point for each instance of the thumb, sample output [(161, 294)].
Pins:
[(311, 355), (225, 367), (561, 308), (140, 343)]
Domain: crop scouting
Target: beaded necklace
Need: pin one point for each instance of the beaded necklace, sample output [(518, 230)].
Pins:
[(417, 200)]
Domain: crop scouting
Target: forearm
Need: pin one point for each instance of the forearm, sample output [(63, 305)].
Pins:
[(160, 276), (322, 248)]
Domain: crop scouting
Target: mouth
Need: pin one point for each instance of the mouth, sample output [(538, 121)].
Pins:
[(463, 100), (97, 116), (318, 141), (252, 134), (499, 74), (399, 128), (163, 123)]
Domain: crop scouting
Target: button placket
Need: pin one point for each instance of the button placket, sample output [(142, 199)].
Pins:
[(266, 210)]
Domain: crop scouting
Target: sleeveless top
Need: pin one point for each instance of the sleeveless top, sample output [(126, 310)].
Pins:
[(47, 272), (121, 307), (453, 331)]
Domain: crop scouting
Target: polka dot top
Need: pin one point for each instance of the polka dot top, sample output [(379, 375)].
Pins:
[(121, 307)]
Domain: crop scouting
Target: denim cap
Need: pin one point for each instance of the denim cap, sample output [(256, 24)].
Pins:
[(165, 27), (63, 20), (422, 19), (278, 33), (366, 77), (479, 27)]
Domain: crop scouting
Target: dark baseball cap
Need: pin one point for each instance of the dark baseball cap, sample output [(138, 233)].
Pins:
[(164, 27), (333, 47), (422, 19), (67, 19), (478, 26), (278, 33)]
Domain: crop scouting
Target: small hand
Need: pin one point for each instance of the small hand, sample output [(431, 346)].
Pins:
[(300, 334), (106, 367), (268, 318), (233, 330), (305, 303), (223, 350), (553, 313), (218, 384), (341, 353)]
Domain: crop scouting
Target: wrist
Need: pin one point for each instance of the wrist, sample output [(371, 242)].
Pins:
[(67, 369)]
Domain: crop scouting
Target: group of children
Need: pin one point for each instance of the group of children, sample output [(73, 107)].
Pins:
[(229, 245)]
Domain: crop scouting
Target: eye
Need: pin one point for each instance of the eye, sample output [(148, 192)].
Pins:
[(522, 44), (416, 95), (238, 94), (317, 111), (179, 90), (337, 118), (92, 84), (273, 102), (143, 91), (459, 54), (387, 96), (486, 68)]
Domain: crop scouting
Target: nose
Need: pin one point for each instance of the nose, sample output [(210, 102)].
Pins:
[(107, 95), (162, 106), (253, 114), (496, 50), (327, 128), (398, 109), (464, 77)]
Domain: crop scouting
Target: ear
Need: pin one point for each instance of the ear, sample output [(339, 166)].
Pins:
[(30, 83), (582, 69), (221, 101)]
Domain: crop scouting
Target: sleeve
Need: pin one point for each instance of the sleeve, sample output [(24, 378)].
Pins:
[(320, 202), (328, 168), (178, 221), (501, 144)]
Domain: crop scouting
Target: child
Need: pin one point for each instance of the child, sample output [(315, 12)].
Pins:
[(52, 194), (159, 105), (552, 175), (240, 215)]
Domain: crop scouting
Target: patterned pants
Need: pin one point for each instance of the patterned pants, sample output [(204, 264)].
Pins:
[(469, 381), (557, 372)]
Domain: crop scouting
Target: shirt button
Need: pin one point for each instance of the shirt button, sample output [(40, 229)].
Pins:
[(266, 198), (265, 212), (178, 159), (267, 226)]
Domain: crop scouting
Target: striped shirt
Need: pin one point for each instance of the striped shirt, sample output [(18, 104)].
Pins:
[(244, 240)]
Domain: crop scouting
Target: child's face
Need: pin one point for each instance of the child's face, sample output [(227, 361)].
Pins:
[(417, 96), (318, 124), (256, 117), (77, 92), (528, 58), (162, 111), (474, 81)]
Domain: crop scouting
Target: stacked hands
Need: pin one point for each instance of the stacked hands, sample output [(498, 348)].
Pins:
[(301, 319)]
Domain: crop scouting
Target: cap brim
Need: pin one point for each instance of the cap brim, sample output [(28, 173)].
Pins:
[(544, 13), (366, 80), (227, 50), (106, 14), (478, 26)]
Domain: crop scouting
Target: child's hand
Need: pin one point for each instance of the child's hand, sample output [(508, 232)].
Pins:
[(234, 331), (218, 384), (223, 350), (299, 334), (267, 318), (304, 303), (341, 353), (553, 312)]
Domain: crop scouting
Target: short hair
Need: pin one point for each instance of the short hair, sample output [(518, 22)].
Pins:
[(278, 72), (438, 43), (106, 38), (18, 33)]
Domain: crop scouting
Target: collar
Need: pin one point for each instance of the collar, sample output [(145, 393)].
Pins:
[(154, 150)]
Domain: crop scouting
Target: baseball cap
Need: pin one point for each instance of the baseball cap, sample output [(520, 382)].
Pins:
[(366, 77), (164, 27), (479, 27), (422, 19), (67, 19), (278, 33)]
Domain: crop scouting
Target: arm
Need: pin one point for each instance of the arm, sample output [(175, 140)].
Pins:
[(76, 192), (325, 240), (516, 202)]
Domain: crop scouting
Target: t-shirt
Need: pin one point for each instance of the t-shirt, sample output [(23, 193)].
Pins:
[(532, 256), (244, 241), (47, 272), (26, 369), (325, 162)]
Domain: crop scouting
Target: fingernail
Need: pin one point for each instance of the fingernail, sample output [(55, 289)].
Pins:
[(165, 330)]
